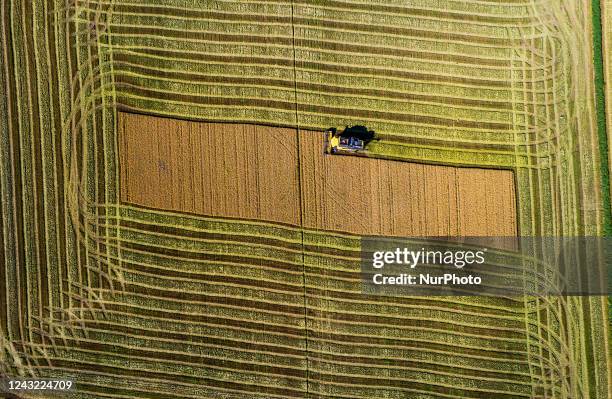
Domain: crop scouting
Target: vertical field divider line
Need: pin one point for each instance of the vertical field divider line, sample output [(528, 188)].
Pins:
[(301, 194)]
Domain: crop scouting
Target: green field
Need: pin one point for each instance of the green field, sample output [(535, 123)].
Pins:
[(141, 303)]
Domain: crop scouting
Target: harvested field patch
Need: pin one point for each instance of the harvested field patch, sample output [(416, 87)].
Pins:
[(380, 197), (216, 169), (251, 172)]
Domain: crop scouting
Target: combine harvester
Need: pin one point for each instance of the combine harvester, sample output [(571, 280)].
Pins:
[(351, 141)]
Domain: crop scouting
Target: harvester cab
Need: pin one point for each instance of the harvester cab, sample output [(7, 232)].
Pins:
[(352, 140)]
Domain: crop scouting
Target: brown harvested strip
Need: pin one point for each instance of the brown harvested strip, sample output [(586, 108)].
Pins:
[(314, 249), (140, 211), (429, 13), (298, 19), (105, 386), (196, 76), (606, 12), (406, 363), (15, 230), (326, 250), (482, 146), (501, 19), (132, 255), (133, 86), (317, 292), (512, 352), (364, 50), (168, 34), (36, 131), (418, 34), (202, 339), (204, 263), (368, 386), (179, 55), (440, 304), (153, 73), (209, 319), (195, 380), (4, 316), (314, 353), (419, 76), (201, 14), (178, 356), (254, 305), (202, 37), (195, 359), (335, 295), (346, 314), (392, 116), (352, 380), (340, 317), (382, 93), (178, 231), (209, 278), (150, 238), (55, 83), (4, 257), (189, 255)]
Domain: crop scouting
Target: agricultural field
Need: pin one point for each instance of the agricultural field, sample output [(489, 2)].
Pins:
[(173, 228)]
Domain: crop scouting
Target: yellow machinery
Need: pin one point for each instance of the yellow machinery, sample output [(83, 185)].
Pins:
[(352, 140)]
